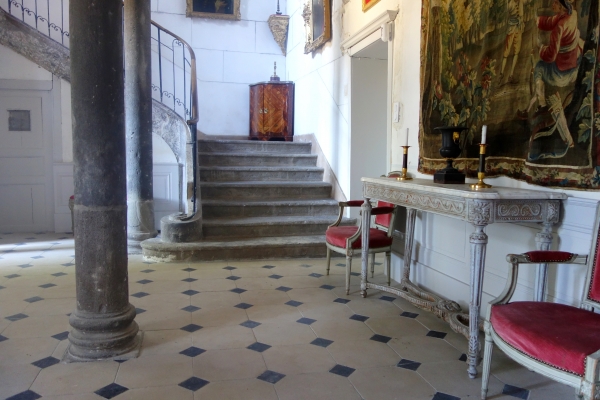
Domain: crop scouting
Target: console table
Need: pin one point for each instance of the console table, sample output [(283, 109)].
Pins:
[(480, 208)]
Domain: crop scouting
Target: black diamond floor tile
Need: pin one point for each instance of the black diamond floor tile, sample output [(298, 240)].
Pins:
[(341, 301), (306, 321), (328, 287), (11, 276), (190, 292), (243, 306), (190, 308), (26, 265), (37, 257), (340, 265), (321, 342), (67, 264), (283, 289), (342, 370), (193, 383), (436, 334), (46, 362), (387, 298), (355, 273), (444, 396), (191, 328), (259, 347), (233, 278), (305, 265), (192, 351), (268, 266), (515, 391), (139, 311), (139, 295), (145, 281), (47, 285), (59, 274), (33, 299), (271, 376), (294, 303), (3, 338), (61, 336), (188, 269), (189, 280), (463, 357), (250, 324), (275, 276), (148, 262), (229, 268), (147, 271), (16, 317), (110, 391), (26, 395), (358, 317), (2, 287), (408, 364), (238, 290), (380, 338), (315, 275), (409, 314)]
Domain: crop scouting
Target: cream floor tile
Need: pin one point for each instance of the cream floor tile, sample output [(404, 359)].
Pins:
[(219, 317), (157, 393), (212, 300), (310, 295), (298, 282), (25, 281), (264, 297), (212, 285), (223, 337), (284, 333), (363, 354), (161, 301), (509, 372), (4, 323), (315, 386), (274, 314), (75, 378), (325, 311), (60, 291), (376, 308), (12, 307), (259, 283), (60, 306), (245, 389), (298, 359), (257, 272), (167, 274), (550, 391), (163, 320), (391, 383), (397, 327), (14, 295), (210, 273), (155, 370), (37, 327), (26, 350), (60, 349), (424, 349), (229, 364), (342, 329), (165, 342), (432, 322), (86, 396), (156, 287), (17, 378), (459, 342)]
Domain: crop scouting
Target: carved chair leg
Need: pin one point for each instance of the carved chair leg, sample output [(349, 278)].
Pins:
[(487, 361), (388, 264), (588, 390), (328, 259), (372, 264), (348, 270)]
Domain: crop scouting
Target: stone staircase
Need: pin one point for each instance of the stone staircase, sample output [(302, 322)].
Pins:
[(260, 200)]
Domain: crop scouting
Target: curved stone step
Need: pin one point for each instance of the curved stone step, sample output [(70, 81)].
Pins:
[(252, 146), (265, 208), (261, 190), (264, 159), (260, 173)]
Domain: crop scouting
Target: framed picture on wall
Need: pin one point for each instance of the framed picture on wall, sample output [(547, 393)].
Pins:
[(219, 9), (317, 21), (368, 4)]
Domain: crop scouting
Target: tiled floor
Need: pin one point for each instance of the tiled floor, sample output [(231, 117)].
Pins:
[(236, 330)]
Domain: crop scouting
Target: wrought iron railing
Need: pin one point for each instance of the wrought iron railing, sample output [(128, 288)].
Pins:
[(47, 16)]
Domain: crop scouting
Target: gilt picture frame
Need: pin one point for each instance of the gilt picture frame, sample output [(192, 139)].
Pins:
[(215, 9), (367, 4), (317, 21)]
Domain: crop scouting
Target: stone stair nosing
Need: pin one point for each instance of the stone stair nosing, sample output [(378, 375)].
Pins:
[(252, 159), (253, 146), (255, 208), (257, 190), (260, 173)]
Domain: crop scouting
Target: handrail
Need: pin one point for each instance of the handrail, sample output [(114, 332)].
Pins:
[(36, 13)]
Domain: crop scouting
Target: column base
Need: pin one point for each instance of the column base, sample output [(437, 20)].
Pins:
[(68, 357)]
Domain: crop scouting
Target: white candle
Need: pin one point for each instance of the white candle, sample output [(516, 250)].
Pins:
[(483, 134), (406, 138)]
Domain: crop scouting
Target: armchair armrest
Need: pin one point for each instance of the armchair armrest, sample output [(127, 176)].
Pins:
[(342, 204), (374, 211)]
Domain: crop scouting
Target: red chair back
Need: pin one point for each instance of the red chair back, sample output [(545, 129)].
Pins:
[(384, 219), (592, 297)]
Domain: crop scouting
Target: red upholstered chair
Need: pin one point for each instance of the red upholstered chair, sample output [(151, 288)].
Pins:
[(559, 341), (347, 239)]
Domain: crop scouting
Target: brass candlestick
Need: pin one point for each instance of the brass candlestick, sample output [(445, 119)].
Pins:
[(404, 176), (481, 172)]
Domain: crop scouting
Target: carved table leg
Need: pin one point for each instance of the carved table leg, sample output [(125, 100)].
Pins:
[(478, 241), (409, 237), (365, 224), (543, 241)]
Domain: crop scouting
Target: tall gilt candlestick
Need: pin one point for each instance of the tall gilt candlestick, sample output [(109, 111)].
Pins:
[(404, 176), (481, 172)]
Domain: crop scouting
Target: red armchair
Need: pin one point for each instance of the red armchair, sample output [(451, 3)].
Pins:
[(347, 239), (559, 341)]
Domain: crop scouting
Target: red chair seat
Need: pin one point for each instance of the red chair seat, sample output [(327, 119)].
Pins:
[(559, 335), (337, 235)]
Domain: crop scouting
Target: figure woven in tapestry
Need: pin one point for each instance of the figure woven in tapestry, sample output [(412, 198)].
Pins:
[(528, 69)]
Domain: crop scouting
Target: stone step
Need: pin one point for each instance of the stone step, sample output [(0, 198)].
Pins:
[(311, 246), (253, 227), (266, 159), (262, 208), (260, 190), (252, 146), (239, 173)]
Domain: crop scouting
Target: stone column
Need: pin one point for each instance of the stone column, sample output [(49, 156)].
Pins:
[(138, 123), (103, 322)]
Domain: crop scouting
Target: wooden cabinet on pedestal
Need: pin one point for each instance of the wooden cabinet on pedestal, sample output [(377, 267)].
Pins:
[(272, 111)]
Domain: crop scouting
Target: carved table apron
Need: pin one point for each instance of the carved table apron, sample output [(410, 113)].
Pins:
[(480, 208)]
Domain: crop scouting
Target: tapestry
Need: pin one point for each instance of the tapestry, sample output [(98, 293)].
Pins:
[(528, 69)]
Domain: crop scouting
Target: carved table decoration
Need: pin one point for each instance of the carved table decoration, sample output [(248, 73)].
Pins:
[(481, 171), (450, 150), (480, 208), (278, 23)]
